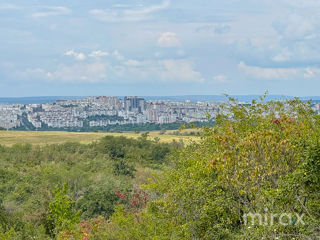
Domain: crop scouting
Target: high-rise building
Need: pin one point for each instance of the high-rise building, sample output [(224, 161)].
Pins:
[(152, 115), (134, 104)]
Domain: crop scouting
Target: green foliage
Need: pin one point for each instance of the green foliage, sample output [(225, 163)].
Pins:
[(159, 152), (121, 167), (98, 201), (92, 173), (95, 229), (61, 214), (182, 127), (4, 219), (112, 128), (9, 235), (104, 117)]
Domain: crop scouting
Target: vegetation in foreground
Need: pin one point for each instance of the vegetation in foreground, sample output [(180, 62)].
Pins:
[(48, 189), (262, 159)]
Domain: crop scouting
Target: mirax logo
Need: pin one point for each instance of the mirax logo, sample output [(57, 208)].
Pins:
[(269, 219)]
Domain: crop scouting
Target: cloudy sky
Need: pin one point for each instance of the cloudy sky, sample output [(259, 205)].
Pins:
[(159, 47)]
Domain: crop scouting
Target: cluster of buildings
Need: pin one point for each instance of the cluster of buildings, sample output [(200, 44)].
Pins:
[(103, 111), (9, 115)]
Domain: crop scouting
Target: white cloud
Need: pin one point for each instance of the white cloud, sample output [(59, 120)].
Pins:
[(35, 73), (98, 53), (80, 56), (311, 72), (269, 73), (179, 70), (299, 35), (48, 11), (220, 78), (132, 62), (295, 26), (8, 6), (117, 55), (169, 39), (283, 56), (93, 72), (77, 56), (169, 70), (279, 73), (128, 14)]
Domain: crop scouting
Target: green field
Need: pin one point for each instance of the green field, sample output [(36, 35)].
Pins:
[(10, 138)]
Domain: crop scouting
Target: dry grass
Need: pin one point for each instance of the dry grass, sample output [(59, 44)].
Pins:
[(10, 138)]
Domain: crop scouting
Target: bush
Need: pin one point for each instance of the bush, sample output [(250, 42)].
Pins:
[(162, 132), (98, 201), (121, 167), (61, 214)]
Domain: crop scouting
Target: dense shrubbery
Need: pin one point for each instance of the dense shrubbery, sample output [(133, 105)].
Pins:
[(263, 158), (84, 179)]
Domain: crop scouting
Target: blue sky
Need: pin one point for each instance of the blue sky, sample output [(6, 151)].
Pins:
[(159, 47)]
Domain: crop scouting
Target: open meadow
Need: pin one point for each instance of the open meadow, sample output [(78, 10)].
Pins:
[(10, 138)]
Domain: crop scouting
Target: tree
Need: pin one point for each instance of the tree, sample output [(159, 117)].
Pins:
[(159, 152), (98, 201), (121, 167), (61, 215)]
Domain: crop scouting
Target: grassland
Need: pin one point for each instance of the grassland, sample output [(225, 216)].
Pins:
[(10, 138)]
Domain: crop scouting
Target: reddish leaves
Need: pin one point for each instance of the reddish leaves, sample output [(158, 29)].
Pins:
[(133, 203)]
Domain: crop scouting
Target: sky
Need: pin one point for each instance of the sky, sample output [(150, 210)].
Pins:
[(159, 47)]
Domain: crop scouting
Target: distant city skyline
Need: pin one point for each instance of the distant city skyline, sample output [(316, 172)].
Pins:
[(110, 113), (159, 47), (104, 112)]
